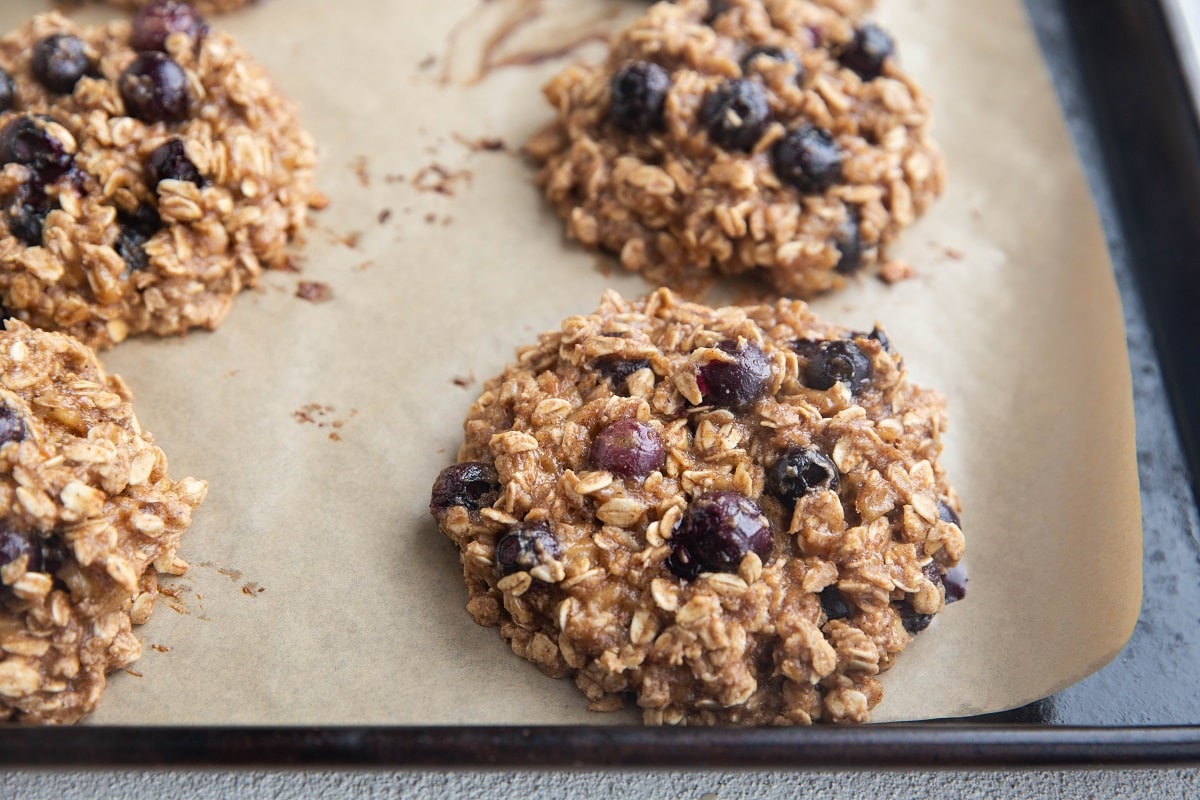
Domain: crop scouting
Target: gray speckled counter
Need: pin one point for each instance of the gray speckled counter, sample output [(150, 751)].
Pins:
[(1165, 785)]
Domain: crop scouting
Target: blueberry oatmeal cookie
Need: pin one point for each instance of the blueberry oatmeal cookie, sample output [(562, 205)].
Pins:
[(774, 136), (731, 515), (88, 517), (150, 171)]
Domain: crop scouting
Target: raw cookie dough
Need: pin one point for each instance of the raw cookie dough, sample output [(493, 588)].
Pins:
[(141, 191), (730, 515), (88, 517), (773, 136)]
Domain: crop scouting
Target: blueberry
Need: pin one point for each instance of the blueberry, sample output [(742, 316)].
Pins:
[(25, 141), (158, 20), (12, 429), (59, 61), (155, 89), (774, 54), (629, 448), (878, 334), (738, 383), (849, 244), (836, 361), (526, 547), (736, 114), (955, 583), (26, 215), (868, 52), (169, 162), (639, 91), (8, 90), (808, 159), (618, 369), (912, 621), (833, 604), (136, 230), (947, 514), (14, 544), (715, 9), (471, 484), (799, 471), (716, 532)]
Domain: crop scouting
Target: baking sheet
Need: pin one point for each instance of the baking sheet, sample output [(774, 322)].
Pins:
[(320, 591)]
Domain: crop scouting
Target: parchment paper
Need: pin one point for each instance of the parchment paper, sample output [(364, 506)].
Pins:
[(321, 592)]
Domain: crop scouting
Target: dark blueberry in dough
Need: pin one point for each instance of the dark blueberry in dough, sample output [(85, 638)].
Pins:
[(618, 369), (14, 544), (836, 361), (912, 621), (471, 484), (955, 583), (715, 9), (736, 114), (799, 471), (946, 514), (639, 90), (629, 448), (808, 159), (833, 604), (849, 244), (59, 61), (773, 53), (169, 162), (8, 90), (868, 51), (527, 546), (738, 383), (878, 334), (26, 215), (12, 429), (716, 532), (157, 21), (136, 230), (29, 143), (155, 89)]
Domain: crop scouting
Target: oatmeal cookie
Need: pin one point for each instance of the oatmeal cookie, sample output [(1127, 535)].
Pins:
[(88, 517), (151, 170), (774, 136), (731, 515)]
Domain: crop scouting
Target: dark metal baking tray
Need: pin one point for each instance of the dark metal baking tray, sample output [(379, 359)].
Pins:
[(1125, 96)]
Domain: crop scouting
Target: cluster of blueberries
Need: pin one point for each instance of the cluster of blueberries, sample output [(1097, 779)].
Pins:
[(43, 554), (154, 88), (718, 529), (736, 115)]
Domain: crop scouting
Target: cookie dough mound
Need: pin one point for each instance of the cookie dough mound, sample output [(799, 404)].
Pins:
[(141, 191), (88, 517), (732, 515), (774, 136)]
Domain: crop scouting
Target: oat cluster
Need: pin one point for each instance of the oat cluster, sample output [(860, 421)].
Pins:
[(88, 518), (758, 136), (576, 555), (116, 242)]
